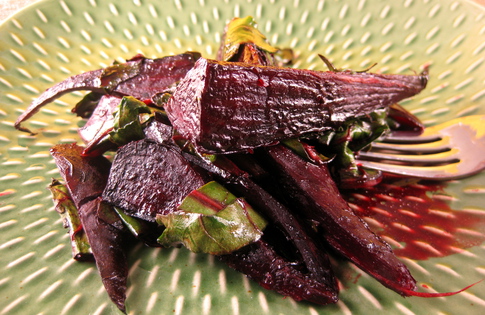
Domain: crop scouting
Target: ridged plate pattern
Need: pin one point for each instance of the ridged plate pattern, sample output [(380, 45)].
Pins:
[(54, 39)]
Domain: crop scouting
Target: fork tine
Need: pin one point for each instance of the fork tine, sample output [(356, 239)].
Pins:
[(447, 157), (423, 138), (442, 145), (452, 150), (440, 172)]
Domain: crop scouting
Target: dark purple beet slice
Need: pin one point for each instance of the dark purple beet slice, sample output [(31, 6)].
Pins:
[(316, 197), (139, 77), (107, 245), (147, 179), (261, 263), (227, 107), (86, 178)]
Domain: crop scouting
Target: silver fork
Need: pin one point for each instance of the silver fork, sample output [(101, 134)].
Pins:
[(451, 150)]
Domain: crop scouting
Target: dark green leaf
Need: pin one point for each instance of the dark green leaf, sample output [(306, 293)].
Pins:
[(85, 107), (354, 135), (131, 117)]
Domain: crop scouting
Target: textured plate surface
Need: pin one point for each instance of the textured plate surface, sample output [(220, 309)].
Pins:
[(54, 39)]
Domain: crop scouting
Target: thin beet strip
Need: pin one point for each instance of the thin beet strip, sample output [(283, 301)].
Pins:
[(314, 195), (260, 262), (85, 178), (225, 107)]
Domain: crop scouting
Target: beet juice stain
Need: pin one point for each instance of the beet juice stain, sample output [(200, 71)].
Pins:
[(415, 220)]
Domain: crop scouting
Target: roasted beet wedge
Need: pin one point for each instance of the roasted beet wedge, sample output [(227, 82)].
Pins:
[(311, 257), (85, 179), (139, 77), (261, 263), (314, 195), (225, 107), (148, 178)]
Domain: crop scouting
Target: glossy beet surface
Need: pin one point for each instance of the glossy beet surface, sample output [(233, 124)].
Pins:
[(313, 193), (108, 245), (229, 107), (260, 262), (309, 255), (149, 179)]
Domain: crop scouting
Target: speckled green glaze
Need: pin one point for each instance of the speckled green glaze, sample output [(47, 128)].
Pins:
[(54, 39)]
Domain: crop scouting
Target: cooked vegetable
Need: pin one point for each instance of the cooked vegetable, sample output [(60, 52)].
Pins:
[(85, 178), (130, 116), (139, 77), (81, 250), (100, 123), (232, 107), (310, 256), (312, 192), (107, 243), (262, 264), (149, 179), (212, 220), (242, 41), (239, 158)]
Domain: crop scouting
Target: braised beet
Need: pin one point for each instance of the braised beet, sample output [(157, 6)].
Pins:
[(148, 178), (261, 263), (108, 244), (85, 179), (311, 254), (225, 107), (313, 257), (313, 193)]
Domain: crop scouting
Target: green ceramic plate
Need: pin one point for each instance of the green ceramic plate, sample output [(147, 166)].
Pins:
[(54, 39)]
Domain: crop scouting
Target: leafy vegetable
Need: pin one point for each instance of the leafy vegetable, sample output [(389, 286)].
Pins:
[(242, 31), (81, 250), (347, 140), (141, 229), (212, 220), (131, 117)]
